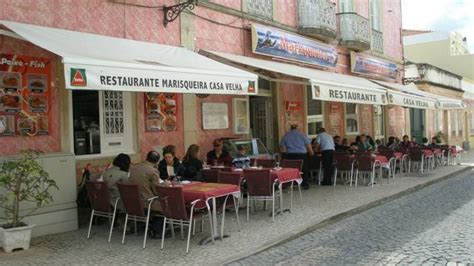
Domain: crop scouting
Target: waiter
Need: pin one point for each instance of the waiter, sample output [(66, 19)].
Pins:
[(326, 144), (296, 146)]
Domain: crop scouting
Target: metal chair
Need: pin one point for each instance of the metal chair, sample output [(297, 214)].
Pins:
[(210, 175), (315, 166), (134, 207), (233, 179), (366, 165), (175, 209), (266, 163), (392, 161), (344, 165), (416, 156), (298, 164), (455, 156), (260, 187), (98, 194)]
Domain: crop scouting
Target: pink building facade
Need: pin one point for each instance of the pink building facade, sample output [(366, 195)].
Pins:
[(218, 26)]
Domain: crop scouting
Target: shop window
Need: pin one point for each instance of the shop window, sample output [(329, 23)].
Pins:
[(100, 122), (352, 118), (346, 6), (375, 15), (314, 116), (379, 127), (472, 123), (454, 122)]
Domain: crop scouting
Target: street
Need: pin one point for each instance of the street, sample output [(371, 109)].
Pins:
[(434, 226)]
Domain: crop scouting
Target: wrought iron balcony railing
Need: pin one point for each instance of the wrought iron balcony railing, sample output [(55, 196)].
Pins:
[(354, 31), (377, 41), (317, 18)]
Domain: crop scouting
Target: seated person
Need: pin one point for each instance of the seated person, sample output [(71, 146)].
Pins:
[(424, 142), (406, 143), (345, 144), (379, 144), (434, 142), (364, 144), (241, 160), (116, 174), (338, 144), (219, 155), (192, 164), (170, 166)]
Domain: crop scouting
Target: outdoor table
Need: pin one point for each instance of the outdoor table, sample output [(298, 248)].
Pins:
[(209, 191)]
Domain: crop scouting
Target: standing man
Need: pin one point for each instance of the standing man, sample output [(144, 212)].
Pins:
[(326, 144), (296, 146)]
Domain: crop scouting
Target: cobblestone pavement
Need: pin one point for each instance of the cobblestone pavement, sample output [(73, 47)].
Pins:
[(432, 226)]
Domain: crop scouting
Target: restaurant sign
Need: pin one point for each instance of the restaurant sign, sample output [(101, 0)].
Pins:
[(90, 77), (276, 43), (442, 104), (349, 95), (412, 101), (373, 66)]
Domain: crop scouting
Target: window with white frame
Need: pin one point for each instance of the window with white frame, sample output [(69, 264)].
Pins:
[(454, 122), (101, 122), (314, 116), (375, 15), (379, 127), (352, 118), (346, 6)]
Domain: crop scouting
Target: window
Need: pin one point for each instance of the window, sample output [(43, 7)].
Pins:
[(101, 122), (346, 6), (436, 118), (460, 122), (379, 127), (314, 114), (264, 87), (472, 123), (454, 122), (261, 8), (352, 118), (375, 15)]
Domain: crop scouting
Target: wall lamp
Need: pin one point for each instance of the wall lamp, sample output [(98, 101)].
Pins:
[(172, 12)]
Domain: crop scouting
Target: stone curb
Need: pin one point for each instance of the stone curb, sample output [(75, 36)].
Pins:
[(333, 219)]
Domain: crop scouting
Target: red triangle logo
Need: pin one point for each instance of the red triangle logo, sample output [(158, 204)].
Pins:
[(78, 78)]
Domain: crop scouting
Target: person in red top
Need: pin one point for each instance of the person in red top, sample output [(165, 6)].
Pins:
[(219, 155)]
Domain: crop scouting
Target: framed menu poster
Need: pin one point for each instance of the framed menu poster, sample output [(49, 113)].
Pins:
[(215, 116)]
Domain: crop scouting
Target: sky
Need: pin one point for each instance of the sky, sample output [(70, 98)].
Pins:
[(440, 15)]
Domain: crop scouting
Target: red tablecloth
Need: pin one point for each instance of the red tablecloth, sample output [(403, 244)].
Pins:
[(428, 153), (285, 175), (382, 159), (398, 154), (205, 191)]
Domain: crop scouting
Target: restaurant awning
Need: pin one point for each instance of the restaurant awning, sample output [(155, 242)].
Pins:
[(326, 86), (420, 99), (407, 96), (97, 62)]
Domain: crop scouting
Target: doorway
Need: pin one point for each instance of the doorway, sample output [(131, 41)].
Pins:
[(417, 124), (261, 117)]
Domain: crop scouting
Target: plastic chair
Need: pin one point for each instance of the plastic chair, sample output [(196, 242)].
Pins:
[(344, 165), (134, 207), (260, 187), (210, 175), (98, 194), (366, 165), (175, 209)]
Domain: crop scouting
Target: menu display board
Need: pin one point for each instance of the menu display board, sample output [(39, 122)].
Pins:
[(25, 95), (160, 111), (293, 113), (215, 116), (335, 119)]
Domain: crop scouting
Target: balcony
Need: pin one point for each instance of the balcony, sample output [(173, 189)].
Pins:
[(317, 18), (377, 41), (354, 31)]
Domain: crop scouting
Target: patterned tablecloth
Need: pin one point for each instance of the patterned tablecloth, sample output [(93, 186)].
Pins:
[(205, 191)]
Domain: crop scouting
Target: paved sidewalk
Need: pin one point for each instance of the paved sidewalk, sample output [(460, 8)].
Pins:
[(321, 204)]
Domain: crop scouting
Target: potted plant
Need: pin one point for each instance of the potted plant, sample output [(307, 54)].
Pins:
[(22, 180), (439, 137)]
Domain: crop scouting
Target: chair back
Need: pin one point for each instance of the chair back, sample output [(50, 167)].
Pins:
[(172, 202), (210, 175), (98, 195), (364, 163), (225, 169), (343, 161), (233, 178), (298, 164), (259, 182), (415, 154), (131, 199), (314, 162), (387, 153), (266, 163)]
